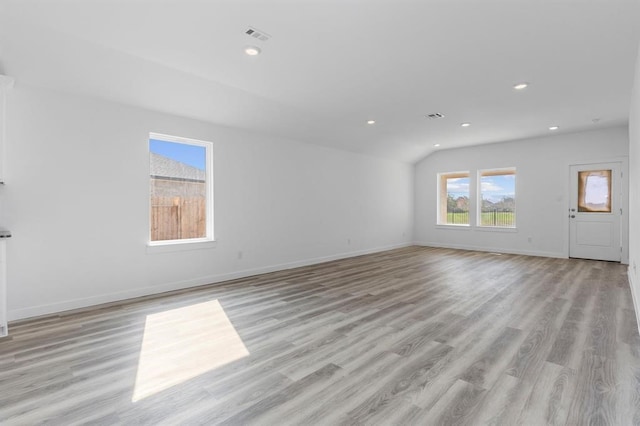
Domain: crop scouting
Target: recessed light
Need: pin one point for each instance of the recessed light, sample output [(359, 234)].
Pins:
[(554, 127), (252, 50), (465, 125), (521, 86), (371, 122), (436, 145)]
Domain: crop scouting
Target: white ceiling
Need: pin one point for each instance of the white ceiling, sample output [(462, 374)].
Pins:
[(332, 65)]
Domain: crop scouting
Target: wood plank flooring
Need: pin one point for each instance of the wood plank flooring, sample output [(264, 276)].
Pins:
[(409, 336)]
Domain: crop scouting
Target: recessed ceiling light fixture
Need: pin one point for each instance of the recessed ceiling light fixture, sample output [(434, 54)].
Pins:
[(371, 122), (554, 127), (252, 50), (436, 145), (521, 86), (465, 125)]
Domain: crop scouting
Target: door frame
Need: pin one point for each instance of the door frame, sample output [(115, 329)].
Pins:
[(624, 202)]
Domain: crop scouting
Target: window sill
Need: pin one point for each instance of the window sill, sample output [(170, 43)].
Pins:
[(185, 245), (456, 227), (495, 229)]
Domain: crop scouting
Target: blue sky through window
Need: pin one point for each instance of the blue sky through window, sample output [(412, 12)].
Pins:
[(192, 155), (495, 188), (458, 187)]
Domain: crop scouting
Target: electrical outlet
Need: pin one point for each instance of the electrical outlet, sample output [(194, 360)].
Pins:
[(529, 239), (240, 255), (348, 241)]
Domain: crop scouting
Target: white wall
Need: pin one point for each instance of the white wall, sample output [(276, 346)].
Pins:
[(634, 190), (542, 190), (76, 201)]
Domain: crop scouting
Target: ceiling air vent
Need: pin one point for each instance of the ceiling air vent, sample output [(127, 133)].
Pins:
[(257, 34), (434, 116)]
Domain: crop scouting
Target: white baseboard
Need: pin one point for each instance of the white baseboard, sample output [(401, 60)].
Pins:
[(35, 311), (492, 250), (634, 297)]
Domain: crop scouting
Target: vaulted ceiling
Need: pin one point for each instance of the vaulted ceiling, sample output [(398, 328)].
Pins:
[(330, 66)]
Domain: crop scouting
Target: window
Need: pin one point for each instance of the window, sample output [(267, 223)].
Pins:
[(594, 191), (453, 198), (181, 189), (497, 198)]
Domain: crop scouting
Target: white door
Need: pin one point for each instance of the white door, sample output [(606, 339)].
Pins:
[(594, 213)]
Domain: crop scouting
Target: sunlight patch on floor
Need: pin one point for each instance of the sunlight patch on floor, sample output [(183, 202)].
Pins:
[(183, 343)]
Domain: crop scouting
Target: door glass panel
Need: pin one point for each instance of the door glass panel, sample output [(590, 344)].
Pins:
[(594, 191)]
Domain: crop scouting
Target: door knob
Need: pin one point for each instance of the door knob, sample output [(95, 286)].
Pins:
[(572, 216)]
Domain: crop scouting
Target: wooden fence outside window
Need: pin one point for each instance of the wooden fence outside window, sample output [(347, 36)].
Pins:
[(176, 218)]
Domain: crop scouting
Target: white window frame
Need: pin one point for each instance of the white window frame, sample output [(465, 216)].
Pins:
[(495, 172), (441, 185), (188, 243)]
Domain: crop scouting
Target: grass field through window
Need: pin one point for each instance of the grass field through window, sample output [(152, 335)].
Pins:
[(496, 218), (491, 218)]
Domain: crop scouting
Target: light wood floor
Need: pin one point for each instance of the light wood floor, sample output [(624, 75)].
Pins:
[(409, 336)]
